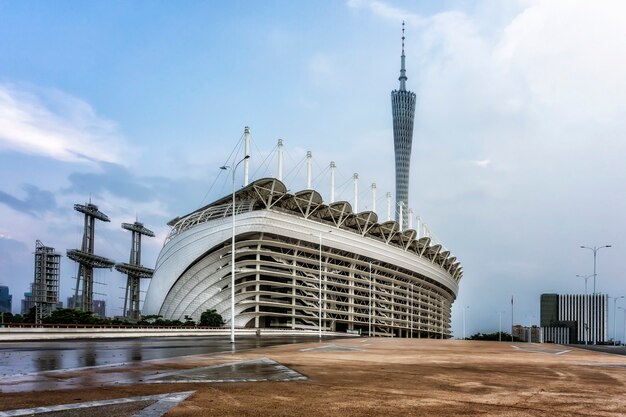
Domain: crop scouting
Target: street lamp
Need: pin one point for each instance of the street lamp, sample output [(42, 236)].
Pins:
[(319, 311), (615, 316), (500, 328), (466, 307), (624, 339), (233, 169), (586, 278), (412, 310), (369, 330), (595, 250), (586, 306)]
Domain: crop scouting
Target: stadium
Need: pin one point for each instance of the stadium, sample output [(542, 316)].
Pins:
[(290, 248), (302, 264)]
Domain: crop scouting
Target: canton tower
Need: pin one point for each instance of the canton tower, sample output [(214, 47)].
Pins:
[(403, 111)]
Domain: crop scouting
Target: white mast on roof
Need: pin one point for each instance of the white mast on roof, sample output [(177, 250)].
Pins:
[(246, 162), (332, 181)]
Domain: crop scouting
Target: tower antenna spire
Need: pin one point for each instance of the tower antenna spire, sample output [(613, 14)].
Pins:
[(403, 111), (402, 78), (403, 37)]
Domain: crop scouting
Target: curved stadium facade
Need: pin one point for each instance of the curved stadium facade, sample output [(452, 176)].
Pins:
[(289, 246)]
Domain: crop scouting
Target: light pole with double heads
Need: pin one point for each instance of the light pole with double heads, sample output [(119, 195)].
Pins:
[(369, 330), (624, 340), (586, 306), (466, 307), (232, 250), (595, 250), (319, 311), (586, 278), (615, 316)]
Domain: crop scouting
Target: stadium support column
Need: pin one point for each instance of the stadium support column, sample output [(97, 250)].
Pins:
[(418, 227), (374, 197), (246, 163), (388, 206), (309, 157), (134, 270), (403, 111), (86, 259), (355, 177), (332, 181), (280, 159)]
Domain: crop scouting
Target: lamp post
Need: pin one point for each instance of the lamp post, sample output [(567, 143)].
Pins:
[(233, 169), (466, 307), (319, 306), (369, 331), (624, 339), (586, 306), (411, 310), (595, 250), (615, 315), (586, 278), (319, 310), (500, 328)]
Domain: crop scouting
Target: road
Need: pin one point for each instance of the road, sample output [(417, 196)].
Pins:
[(27, 357), (615, 350)]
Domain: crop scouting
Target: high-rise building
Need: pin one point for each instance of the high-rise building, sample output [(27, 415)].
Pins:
[(45, 288), (28, 302), (585, 315), (403, 111), (6, 299), (99, 306), (549, 310)]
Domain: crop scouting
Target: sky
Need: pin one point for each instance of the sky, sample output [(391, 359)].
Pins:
[(518, 144)]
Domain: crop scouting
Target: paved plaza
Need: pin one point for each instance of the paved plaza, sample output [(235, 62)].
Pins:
[(349, 377)]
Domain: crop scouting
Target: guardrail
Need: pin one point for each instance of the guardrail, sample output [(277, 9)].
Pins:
[(100, 326), (19, 332)]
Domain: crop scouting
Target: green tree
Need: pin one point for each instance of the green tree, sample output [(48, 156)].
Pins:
[(506, 337), (211, 318), (71, 316), (150, 319), (30, 316), (189, 321)]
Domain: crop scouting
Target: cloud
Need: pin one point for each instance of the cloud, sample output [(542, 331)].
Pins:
[(56, 125), (35, 203), (320, 64), (387, 11), (483, 163)]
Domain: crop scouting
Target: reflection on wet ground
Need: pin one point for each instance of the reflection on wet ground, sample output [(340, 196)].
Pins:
[(257, 370), (28, 357), (158, 372), (146, 406)]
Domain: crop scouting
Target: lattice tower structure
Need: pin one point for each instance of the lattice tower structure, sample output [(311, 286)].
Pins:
[(86, 259), (403, 111), (45, 288), (134, 271)]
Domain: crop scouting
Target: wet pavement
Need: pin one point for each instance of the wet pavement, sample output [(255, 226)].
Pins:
[(145, 406), (22, 358)]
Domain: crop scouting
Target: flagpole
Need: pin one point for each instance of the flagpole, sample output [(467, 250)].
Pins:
[(511, 318)]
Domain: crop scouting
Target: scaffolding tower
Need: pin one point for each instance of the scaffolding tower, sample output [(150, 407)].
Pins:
[(45, 288), (86, 259), (134, 270)]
